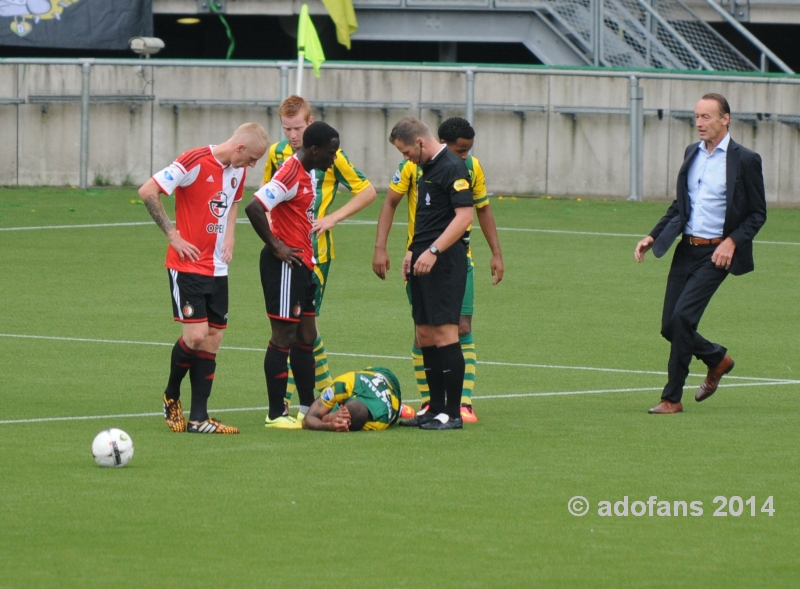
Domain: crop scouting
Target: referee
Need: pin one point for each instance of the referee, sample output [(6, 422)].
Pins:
[(436, 267)]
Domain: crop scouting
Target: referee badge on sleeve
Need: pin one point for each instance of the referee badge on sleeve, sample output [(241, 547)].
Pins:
[(460, 185)]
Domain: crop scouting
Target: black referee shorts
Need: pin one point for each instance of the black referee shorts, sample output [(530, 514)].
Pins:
[(436, 297)]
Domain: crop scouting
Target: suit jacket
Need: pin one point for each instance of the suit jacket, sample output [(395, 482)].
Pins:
[(745, 212)]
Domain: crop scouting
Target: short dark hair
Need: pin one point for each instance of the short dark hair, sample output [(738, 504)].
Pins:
[(455, 128), (319, 134), (359, 414), (724, 107), (408, 129)]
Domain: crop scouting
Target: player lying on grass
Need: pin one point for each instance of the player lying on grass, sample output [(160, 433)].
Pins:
[(366, 400)]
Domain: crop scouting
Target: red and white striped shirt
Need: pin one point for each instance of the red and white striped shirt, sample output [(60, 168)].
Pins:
[(204, 190), (289, 197)]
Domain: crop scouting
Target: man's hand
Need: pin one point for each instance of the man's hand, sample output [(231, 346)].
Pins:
[(723, 255), (380, 262), (320, 226), (424, 263), (407, 266), (339, 421), (287, 254), (642, 248), (183, 247), (227, 250), (498, 269)]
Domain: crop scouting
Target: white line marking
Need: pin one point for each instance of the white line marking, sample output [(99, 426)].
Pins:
[(92, 226), (384, 357), (414, 402), (365, 222), (633, 390)]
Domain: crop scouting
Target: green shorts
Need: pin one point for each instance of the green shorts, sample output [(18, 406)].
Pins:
[(468, 303), (321, 281)]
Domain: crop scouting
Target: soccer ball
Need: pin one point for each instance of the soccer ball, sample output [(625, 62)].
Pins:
[(112, 447)]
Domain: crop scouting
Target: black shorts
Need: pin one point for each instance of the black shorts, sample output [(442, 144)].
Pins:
[(198, 299), (436, 297), (289, 291)]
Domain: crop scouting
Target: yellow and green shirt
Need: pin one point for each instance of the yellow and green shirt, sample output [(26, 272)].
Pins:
[(408, 174), (342, 172), (371, 388)]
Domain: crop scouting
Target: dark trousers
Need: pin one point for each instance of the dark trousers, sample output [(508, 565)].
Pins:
[(693, 280)]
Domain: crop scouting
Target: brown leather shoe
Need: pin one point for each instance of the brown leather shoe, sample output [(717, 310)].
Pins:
[(666, 408), (710, 384)]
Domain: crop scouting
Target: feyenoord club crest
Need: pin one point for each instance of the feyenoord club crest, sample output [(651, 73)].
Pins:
[(188, 310), (296, 310), (234, 182), (218, 205)]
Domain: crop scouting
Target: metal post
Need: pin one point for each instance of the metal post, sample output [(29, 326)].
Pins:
[(86, 68), (470, 96), (284, 95), (597, 32), (637, 139), (764, 63), (300, 60), (284, 82)]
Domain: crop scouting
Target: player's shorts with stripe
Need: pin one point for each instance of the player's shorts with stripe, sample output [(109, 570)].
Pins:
[(288, 290), (468, 302), (321, 281), (436, 297), (197, 298)]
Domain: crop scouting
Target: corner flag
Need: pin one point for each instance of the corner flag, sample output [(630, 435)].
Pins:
[(344, 16), (308, 44)]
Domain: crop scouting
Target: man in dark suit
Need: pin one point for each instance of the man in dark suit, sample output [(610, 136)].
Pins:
[(720, 206)]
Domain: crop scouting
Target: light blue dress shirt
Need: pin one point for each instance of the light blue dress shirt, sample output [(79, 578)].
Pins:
[(707, 184)]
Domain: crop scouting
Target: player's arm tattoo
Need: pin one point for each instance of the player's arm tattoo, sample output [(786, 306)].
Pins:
[(156, 210)]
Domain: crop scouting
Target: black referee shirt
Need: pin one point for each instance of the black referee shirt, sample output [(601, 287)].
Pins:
[(443, 187)]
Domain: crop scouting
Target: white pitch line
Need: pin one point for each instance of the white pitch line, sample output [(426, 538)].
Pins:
[(92, 226), (386, 357), (629, 390), (415, 401), (366, 222)]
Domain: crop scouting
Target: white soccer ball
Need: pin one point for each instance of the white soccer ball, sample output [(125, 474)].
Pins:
[(112, 447)]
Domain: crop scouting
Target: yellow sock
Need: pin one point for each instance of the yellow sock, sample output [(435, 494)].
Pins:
[(470, 367), (419, 373)]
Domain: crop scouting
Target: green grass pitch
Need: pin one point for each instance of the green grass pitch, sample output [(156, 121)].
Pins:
[(570, 359)]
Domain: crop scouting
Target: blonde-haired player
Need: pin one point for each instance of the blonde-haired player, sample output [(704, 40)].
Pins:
[(207, 183)]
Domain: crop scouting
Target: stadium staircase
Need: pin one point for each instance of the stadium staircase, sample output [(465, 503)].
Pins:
[(664, 34)]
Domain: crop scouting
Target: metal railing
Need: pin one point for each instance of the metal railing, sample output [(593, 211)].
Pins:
[(635, 110)]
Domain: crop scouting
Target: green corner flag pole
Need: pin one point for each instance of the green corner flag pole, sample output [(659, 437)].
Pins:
[(308, 46)]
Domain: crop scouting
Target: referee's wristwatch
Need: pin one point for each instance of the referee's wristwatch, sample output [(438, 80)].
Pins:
[(434, 250)]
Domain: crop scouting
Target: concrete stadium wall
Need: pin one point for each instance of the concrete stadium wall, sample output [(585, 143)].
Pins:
[(540, 153)]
